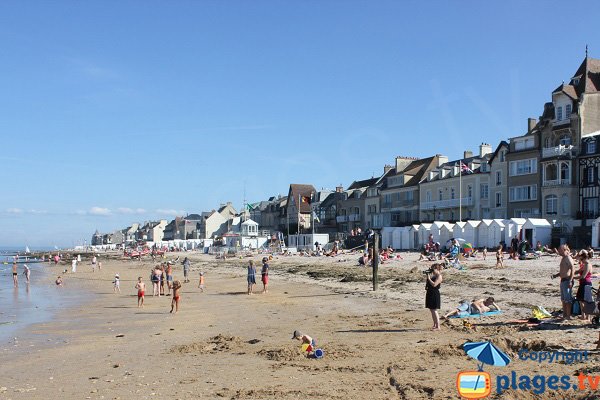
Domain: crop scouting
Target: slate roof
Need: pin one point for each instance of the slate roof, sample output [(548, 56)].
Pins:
[(301, 190)]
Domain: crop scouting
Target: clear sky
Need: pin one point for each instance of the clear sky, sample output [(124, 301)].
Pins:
[(114, 112)]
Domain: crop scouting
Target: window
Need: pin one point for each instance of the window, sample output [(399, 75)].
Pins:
[(372, 192), (590, 172), (567, 111), (558, 113), (428, 196), (440, 195), (387, 200), (550, 172), (523, 193), (485, 191), (484, 167), (502, 156), (524, 144), (564, 204), (523, 167), (547, 143), (410, 196), (470, 192), (452, 193), (498, 178), (565, 172), (565, 140), (551, 204), (498, 199), (591, 147), (590, 207)]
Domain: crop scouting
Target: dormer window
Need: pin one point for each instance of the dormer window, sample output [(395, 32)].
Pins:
[(567, 111), (591, 147), (559, 114)]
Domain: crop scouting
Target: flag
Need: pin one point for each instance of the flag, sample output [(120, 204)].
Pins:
[(251, 207), (465, 169), (306, 199), (315, 217)]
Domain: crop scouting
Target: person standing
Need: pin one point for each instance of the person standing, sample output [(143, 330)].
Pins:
[(94, 261), (584, 291), (73, 265), (15, 277), (566, 273), (264, 272), (27, 273), (514, 247), (141, 288), (251, 276), (433, 299), (186, 269)]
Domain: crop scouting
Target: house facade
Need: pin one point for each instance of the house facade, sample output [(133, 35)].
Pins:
[(589, 184), (498, 182), (523, 180)]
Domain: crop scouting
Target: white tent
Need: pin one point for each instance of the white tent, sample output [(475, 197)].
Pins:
[(424, 231), (468, 231), (537, 230), (496, 233)]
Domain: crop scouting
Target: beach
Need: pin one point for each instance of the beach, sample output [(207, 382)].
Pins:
[(226, 344)]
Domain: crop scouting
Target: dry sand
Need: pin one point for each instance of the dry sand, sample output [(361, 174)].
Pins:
[(224, 344)]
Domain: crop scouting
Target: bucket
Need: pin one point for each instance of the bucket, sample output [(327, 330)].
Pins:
[(319, 353)]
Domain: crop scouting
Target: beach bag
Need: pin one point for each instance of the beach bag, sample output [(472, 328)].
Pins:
[(540, 312), (575, 308)]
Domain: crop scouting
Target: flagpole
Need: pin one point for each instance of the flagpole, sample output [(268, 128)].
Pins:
[(299, 203), (460, 192)]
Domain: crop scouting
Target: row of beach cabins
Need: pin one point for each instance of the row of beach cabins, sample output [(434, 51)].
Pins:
[(485, 233)]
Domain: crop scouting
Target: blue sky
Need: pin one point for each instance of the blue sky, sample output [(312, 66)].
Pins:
[(121, 111)]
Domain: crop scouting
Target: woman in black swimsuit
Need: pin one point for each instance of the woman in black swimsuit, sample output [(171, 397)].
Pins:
[(432, 298)]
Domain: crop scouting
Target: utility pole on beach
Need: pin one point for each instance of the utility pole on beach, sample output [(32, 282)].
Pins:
[(375, 261)]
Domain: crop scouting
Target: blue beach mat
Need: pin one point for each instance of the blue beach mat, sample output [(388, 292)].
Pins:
[(487, 314)]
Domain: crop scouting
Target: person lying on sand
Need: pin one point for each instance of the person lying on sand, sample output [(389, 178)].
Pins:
[(477, 306)]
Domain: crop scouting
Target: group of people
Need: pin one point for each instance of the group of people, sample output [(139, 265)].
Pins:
[(15, 274), (264, 272)]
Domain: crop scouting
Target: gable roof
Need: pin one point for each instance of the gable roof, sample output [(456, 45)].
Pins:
[(495, 153), (300, 190), (588, 75), (362, 184)]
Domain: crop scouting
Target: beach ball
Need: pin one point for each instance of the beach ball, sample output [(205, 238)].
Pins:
[(319, 353)]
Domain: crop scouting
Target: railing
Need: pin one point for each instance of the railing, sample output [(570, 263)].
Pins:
[(430, 205), (353, 217), (341, 218), (386, 205), (558, 151), (556, 182)]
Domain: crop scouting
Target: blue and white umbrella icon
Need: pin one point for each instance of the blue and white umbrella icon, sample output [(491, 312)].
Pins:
[(486, 353)]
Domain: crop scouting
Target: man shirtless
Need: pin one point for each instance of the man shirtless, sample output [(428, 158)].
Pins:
[(141, 287), (15, 277), (567, 271)]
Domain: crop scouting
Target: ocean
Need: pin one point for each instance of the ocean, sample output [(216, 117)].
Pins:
[(28, 304)]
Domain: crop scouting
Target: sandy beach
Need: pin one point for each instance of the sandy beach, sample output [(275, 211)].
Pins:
[(226, 344)]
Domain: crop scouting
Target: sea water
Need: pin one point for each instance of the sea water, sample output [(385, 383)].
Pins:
[(31, 303)]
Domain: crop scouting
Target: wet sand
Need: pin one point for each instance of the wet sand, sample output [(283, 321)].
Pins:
[(226, 344)]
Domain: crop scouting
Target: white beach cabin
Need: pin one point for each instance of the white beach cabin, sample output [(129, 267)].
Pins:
[(483, 232), (446, 232), (596, 233), (537, 229), (436, 228), (496, 234), (468, 231), (387, 233), (413, 238), (424, 231), (513, 228)]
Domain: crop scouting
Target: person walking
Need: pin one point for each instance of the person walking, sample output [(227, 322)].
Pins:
[(264, 272), (251, 276)]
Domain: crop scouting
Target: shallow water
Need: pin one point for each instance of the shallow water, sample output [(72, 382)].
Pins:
[(30, 303)]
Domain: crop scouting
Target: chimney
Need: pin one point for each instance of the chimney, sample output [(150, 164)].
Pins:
[(484, 149), (441, 159), (387, 168), (531, 122), (468, 154), (339, 189)]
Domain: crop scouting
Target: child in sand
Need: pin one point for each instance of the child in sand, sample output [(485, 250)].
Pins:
[(141, 288), (117, 284), (484, 253), (201, 282), (59, 281), (305, 339), (175, 300)]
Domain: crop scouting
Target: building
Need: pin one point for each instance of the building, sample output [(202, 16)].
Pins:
[(400, 191), (498, 182), (523, 179), (351, 213), (458, 190), (589, 184), (298, 210)]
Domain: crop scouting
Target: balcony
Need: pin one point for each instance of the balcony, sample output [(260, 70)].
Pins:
[(452, 203), (341, 218), (386, 206), (556, 182), (353, 217), (559, 151)]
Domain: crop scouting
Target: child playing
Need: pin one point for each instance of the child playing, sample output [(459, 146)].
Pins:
[(141, 287), (59, 281), (499, 258), (201, 282), (484, 252), (305, 339), (117, 284), (175, 300)]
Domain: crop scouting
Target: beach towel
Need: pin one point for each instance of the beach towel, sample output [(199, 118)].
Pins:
[(486, 314), (540, 312)]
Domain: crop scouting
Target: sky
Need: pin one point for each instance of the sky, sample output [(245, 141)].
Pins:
[(115, 112)]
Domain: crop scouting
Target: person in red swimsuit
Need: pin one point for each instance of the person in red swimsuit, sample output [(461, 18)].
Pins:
[(175, 300), (141, 287)]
